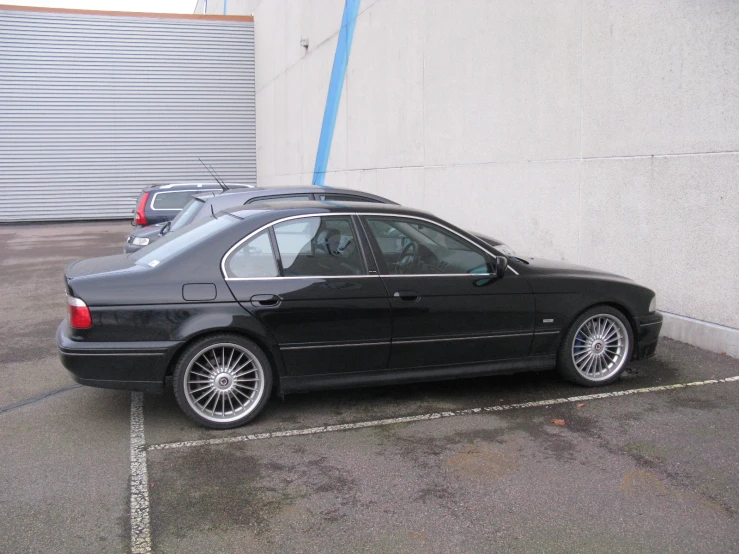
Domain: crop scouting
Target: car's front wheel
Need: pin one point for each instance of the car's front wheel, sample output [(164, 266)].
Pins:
[(596, 348), (222, 381)]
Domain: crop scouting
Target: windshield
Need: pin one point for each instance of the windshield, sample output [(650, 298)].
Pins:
[(187, 215), (177, 241)]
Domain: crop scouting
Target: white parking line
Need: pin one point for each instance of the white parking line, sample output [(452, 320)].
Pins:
[(140, 507), (429, 416), (140, 518)]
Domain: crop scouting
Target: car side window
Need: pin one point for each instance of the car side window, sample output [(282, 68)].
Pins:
[(345, 198), (415, 247), (318, 246), (253, 259), (285, 198)]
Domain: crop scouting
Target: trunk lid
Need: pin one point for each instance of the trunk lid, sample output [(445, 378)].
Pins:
[(94, 266)]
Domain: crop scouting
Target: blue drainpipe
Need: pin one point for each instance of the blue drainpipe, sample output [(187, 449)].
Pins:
[(338, 72)]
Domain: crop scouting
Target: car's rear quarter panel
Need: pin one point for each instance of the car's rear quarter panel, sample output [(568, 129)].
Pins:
[(135, 308)]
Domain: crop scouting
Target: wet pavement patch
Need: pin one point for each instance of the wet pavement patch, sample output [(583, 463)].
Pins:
[(643, 472), (508, 481)]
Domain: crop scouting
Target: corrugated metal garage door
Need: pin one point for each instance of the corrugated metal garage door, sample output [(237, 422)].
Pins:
[(95, 107)]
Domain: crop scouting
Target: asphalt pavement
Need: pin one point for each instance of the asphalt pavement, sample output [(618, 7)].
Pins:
[(649, 471)]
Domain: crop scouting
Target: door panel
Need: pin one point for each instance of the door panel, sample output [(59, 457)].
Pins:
[(448, 307), (325, 312), (323, 325), (457, 320)]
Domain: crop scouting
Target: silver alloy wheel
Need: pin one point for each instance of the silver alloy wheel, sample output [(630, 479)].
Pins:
[(600, 347), (224, 382)]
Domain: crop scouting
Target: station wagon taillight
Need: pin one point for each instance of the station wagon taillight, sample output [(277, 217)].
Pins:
[(140, 218), (79, 313)]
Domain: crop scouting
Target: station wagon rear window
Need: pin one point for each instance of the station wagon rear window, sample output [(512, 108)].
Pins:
[(172, 200)]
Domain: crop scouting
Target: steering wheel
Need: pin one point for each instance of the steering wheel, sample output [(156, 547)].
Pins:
[(407, 258)]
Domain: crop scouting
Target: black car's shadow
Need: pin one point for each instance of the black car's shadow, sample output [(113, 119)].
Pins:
[(165, 421)]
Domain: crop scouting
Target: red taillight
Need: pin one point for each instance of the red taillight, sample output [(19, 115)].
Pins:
[(140, 218), (79, 313)]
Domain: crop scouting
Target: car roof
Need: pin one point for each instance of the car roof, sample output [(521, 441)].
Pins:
[(300, 207), (290, 208), (255, 192)]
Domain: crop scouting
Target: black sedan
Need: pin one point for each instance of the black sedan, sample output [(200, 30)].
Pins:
[(308, 295)]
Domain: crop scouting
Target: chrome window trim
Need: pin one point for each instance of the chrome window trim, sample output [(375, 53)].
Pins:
[(350, 214), (478, 275), (299, 277), (468, 241), (263, 227)]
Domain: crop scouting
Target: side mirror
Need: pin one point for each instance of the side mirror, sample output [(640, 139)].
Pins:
[(164, 230), (501, 263)]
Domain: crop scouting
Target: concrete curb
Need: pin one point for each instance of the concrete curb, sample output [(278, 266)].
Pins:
[(709, 336)]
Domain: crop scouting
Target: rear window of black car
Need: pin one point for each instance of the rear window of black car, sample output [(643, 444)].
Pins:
[(182, 239)]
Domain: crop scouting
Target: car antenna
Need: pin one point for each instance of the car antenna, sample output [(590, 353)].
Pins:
[(222, 182), (214, 175), (212, 211)]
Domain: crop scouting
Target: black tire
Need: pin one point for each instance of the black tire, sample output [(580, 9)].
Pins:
[(599, 361), (213, 366)]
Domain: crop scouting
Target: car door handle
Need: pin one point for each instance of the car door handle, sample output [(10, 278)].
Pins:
[(407, 295), (265, 300)]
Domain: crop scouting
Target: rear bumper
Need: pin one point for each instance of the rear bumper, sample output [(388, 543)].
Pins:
[(137, 366), (647, 335)]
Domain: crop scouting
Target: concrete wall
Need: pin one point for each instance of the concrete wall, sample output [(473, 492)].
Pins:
[(599, 132)]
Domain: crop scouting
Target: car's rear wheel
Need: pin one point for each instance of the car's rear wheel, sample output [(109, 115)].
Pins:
[(222, 381), (596, 348)]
